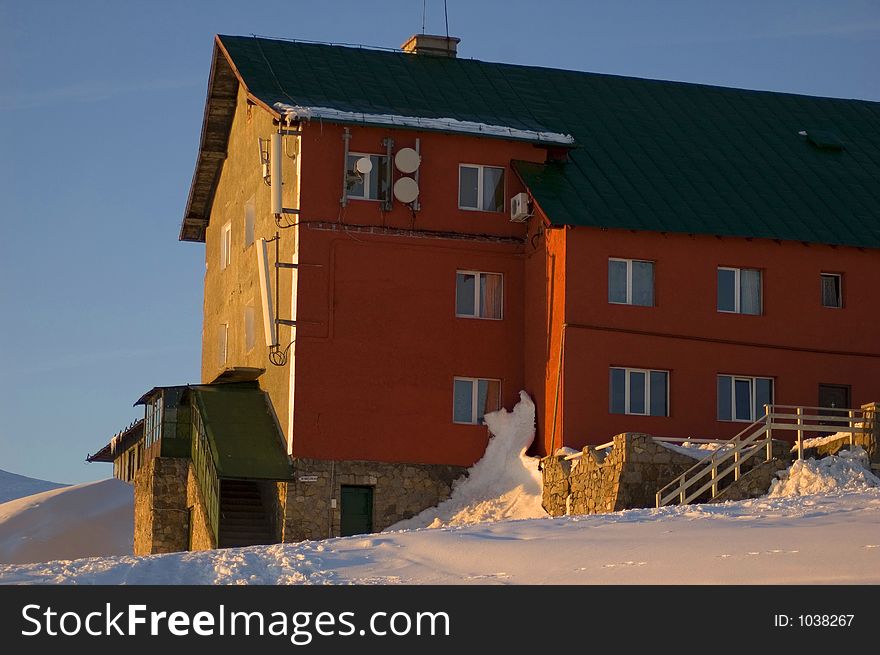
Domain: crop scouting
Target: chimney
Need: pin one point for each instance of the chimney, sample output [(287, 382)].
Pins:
[(429, 44)]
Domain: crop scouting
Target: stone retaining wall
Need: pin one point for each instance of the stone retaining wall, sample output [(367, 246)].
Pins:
[(626, 476), (311, 503), (161, 518)]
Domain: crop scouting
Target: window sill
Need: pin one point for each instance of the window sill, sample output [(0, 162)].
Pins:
[(478, 318)]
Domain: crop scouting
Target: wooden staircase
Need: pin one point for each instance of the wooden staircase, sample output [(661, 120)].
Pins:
[(722, 468), (244, 520)]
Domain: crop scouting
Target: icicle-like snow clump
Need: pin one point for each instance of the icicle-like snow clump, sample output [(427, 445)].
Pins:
[(504, 484)]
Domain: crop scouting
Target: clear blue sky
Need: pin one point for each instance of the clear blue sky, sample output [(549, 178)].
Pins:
[(100, 112)]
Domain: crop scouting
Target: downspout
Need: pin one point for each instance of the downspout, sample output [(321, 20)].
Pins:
[(558, 385)]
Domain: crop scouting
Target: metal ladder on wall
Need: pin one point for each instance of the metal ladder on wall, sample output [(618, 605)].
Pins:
[(708, 473)]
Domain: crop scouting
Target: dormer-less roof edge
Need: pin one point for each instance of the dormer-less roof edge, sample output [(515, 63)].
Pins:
[(451, 125), (220, 102)]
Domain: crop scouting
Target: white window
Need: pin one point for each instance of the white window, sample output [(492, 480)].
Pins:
[(250, 213), (630, 282), (481, 188), (367, 186), (226, 246), (832, 290), (479, 295), (250, 329), (742, 398), (222, 343), (638, 391), (739, 290), (473, 398)]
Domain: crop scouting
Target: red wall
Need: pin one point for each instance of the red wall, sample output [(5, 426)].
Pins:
[(685, 297), (374, 372)]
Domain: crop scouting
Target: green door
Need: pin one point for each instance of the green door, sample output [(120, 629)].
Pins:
[(357, 511)]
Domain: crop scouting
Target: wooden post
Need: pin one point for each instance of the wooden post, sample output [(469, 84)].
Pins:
[(800, 432), (769, 440)]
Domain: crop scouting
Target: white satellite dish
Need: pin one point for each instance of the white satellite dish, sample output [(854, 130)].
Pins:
[(406, 190), (363, 165), (407, 160)]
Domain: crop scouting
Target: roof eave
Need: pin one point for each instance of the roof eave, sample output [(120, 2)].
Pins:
[(220, 103)]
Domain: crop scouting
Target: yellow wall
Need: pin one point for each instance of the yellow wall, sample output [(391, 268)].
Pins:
[(229, 291)]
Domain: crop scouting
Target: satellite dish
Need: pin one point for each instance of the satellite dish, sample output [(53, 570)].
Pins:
[(406, 190), (363, 165), (407, 160)]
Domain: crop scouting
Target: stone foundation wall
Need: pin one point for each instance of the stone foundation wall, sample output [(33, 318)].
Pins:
[(161, 518), (625, 477), (311, 503)]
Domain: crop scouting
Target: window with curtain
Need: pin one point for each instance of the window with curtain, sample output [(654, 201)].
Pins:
[(630, 282), (739, 290), (481, 188), (473, 398), (742, 398), (373, 185), (638, 391), (832, 290), (479, 295)]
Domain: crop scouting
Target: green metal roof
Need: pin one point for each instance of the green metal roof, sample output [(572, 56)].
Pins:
[(242, 431), (649, 154)]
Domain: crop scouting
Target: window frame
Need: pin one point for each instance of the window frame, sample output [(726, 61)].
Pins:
[(626, 390), (475, 394), (477, 275), (226, 245), (629, 281), (368, 177), (753, 393), (480, 170), (839, 277), (737, 296)]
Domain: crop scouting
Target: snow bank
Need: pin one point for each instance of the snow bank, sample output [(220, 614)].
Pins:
[(815, 442), (695, 450), (504, 484), (14, 486), (84, 520), (846, 471)]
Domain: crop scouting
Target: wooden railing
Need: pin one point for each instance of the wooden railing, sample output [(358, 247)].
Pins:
[(708, 473), (206, 472)]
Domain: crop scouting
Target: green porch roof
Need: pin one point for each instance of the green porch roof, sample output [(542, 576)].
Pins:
[(242, 431), (648, 155)]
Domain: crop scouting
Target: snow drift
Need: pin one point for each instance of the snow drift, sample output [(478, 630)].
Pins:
[(504, 484), (13, 485), (84, 520), (846, 471)]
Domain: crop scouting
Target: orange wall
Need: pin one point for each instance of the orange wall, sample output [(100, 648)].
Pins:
[(379, 344), (685, 297)]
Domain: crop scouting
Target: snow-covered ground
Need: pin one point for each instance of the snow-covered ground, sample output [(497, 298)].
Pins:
[(13, 485), (94, 518), (829, 538), (787, 538)]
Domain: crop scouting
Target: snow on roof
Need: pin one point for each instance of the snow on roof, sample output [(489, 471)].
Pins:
[(444, 124)]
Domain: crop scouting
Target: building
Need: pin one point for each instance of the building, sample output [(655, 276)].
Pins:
[(125, 451), (638, 255)]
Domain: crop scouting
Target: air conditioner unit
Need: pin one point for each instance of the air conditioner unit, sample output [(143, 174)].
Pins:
[(519, 208)]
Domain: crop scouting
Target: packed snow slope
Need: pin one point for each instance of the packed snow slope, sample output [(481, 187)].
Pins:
[(94, 518), (504, 484), (832, 537), (13, 485)]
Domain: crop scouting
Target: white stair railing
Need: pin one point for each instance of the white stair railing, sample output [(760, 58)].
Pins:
[(710, 471)]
